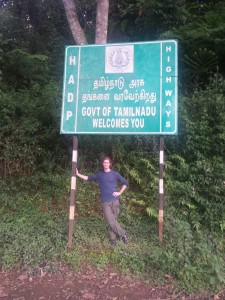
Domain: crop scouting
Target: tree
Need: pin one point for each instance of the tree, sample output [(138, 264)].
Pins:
[(73, 20), (75, 26), (202, 41)]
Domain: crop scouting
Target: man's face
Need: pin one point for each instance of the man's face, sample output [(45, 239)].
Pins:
[(106, 164)]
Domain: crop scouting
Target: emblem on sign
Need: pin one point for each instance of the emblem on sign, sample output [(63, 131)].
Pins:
[(119, 59)]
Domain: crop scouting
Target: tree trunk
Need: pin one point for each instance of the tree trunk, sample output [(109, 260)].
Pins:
[(71, 14), (101, 21)]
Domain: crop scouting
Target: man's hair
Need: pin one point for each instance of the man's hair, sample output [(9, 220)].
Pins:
[(106, 157)]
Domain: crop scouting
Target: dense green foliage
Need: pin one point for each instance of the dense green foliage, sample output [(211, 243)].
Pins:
[(34, 229), (35, 159)]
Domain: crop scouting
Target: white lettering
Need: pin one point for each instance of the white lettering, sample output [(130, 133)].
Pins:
[(168, 113), (168, 69), (106, 111), (95, 97), (168, 49), (168, 103), (71, 79), (168, 124), (136, 97), (136, 83), (70, 97), (168, 79), (90, 111), (110, 123), (137, 123), (138, 111), (109, 84), (168, 92), (68, 115), (72, 60)]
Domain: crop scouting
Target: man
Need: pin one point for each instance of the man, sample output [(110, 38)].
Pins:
[(108, 179)]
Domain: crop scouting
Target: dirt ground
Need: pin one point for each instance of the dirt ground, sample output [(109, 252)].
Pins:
[(90, 284)]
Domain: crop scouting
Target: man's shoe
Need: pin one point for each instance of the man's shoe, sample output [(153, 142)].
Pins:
[(112, 243), (125, 239)]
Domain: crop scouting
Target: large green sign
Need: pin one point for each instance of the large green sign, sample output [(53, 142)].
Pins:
[(120, 89)]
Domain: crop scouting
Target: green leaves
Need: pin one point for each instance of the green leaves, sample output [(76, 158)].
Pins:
[(21, 69), (196, 168), (201, 63), (29, 120), (29, 239)]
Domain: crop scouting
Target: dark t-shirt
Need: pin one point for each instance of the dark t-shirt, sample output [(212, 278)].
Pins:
[(108, 184)]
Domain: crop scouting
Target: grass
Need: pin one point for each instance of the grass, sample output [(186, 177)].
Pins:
[(31, 233)]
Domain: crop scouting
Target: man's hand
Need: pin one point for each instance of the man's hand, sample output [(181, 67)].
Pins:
[(116, 194), (84, 177)]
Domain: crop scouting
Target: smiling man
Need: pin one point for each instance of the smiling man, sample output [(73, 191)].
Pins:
[(108, 180)]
